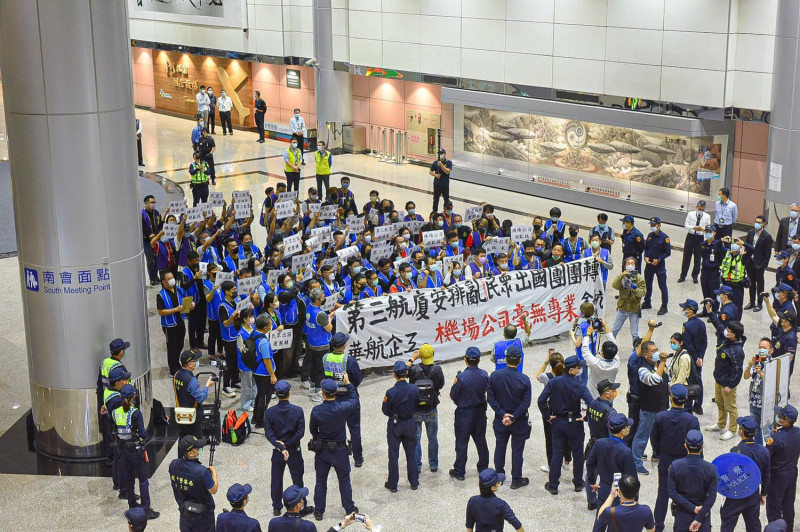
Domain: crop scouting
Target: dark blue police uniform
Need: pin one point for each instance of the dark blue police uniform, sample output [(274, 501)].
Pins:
[(667, 438), (327, 424), (597, 415), (286, 423), (130, 432), (633, 245), (510, 393), (695, 341), (469, 395), (561, 400), (191, 481), (784, 450), (608, 456), (749, 507), (289, 522), (237, 521), (728, 313), (399, 404), (692, 482), (658, 247), (712, 254), (785, 342), (490, 513)]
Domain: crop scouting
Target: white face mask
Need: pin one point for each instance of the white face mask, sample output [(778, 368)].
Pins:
[(630, 267), (171, 282)]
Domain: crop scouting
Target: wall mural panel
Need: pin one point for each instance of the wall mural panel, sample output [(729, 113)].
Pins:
[(637, 156)]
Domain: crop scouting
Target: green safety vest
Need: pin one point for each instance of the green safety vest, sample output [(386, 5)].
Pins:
[(323, 163), (200, 177), (732, 268), (122, 420), (109, 394), (294, 157), (105, 368), (335, 367)]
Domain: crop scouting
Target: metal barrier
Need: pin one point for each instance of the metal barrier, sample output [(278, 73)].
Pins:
[(390, 153), (372, 152), (400, 145), (382, 154)]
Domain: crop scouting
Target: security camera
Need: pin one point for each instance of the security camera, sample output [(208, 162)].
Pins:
[(313, 63)]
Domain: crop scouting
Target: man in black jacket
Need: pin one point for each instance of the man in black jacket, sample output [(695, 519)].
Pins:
[(787, 227), (762, 242), (429, 378)]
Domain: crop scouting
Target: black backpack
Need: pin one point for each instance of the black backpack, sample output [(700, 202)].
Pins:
[(249, 350), (427, 390)]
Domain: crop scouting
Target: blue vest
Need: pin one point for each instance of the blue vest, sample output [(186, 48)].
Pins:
[(170, 320), (289, 312), (212, 308), (228, 334), (316, 335), (431, 282), (500, 353), (186, 477), (181, 385), (192, 290)]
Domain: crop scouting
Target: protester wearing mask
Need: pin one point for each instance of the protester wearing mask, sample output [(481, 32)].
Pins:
[(169, 303), (247, 399), (529, 259), (754, 372), (431, 275), (679, 364), (404, 280), (573, 245), (631, 286), (554, 228), (600, 254), (653, 392), (454, 274), (501, 264), (606, 233), (479, 266), (556, 256)]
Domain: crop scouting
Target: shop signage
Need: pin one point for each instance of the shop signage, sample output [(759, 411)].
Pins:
[(165, 95), (383, 73), (292, 78)]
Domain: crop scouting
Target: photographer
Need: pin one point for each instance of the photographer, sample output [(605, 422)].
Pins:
[(631, 286), (579, 331), (728, 311), (605, 364), (188, 393), (783, 331), (784, 296), (755, 371)]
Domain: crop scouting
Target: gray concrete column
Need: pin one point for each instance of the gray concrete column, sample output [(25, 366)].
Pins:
[(333, 89), (783, 161), (66, 70)]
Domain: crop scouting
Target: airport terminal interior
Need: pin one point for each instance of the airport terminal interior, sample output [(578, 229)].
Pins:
[(634, 108)]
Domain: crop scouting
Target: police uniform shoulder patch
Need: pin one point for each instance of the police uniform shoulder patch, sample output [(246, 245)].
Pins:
[(455, 381), (723, 317), (789, 277), (722, 355), (777, 345), (385, 398), (666, 240), (770, 441), (638, 239)]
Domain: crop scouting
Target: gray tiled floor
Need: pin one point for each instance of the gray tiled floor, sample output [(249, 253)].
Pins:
[(75, 503)]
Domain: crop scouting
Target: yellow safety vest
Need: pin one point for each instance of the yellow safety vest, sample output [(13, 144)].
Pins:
[(323, 163), (200, 177), (294, 157), (732, 268)]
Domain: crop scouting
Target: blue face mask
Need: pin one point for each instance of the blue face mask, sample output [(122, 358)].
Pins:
[(345, 185), (454, 245), (602, 226), (793, 215), (457, 273), (654, 229), (709, 236), (674, 347), (554, 220), (757, 226), (734, 247)]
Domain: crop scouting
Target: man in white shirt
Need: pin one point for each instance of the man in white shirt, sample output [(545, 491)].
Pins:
[(203, 103), (298, 127), (224, 106), (725, 214), (603, 365), (695, 222)]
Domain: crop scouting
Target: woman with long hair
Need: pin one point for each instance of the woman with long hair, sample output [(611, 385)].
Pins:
[(556, 362)]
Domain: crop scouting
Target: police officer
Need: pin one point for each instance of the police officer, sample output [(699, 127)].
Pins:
[(207, 147), (784, 450), (284, 427), (667, 438), (784, 334), (712, 251), (237, 520), (469, 395), (112, 399), (137, 519), (561, 401), (728, 311), (692, 486), (608, 456), (695, 222), (727, 375), (199, 184), (329, 442), (750, 506), (695, 341), (188, 393), (656, 250), (733, 267), (335, 364), (294, 499), (193, 485), (597, 414), (487, 511), (399, 404), (117, 347), (131, 435), (632, 241)]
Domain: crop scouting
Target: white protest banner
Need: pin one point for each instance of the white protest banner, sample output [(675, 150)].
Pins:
[(313, 208), (294, 244), (469, 313), (314, 243), (216, 199), (355, 224), (775, 390), (284, 209), (346, 253), (243, 304), (497, 244), (177, 208), (414, 225), (324, 233), (283, 196), (170, 230), (246, 286), (300, 262), (194, 215), (473, 213), (241, 195), (446, 261), (380, 252), (330, 302), (383, 232), (281, 339), (202, 270), (243, 210), (222, 277), (272, 276), (328, 212), (242, 264), (373, 213), (521, 233), (205, 209), (329, 262), (433, 238)]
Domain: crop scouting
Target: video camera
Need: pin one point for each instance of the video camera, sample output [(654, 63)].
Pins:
[(597, 324), (220, 363)]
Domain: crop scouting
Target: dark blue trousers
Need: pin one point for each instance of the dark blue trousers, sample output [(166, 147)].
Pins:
[(684, 520), (131, 467), (749, 508), (517, 432), (295, 464), (354, 426), (202, 523), (405, 433), (339, 461), (567, 435), (780, 500), (662, 499), (470, 423), (660, 273)]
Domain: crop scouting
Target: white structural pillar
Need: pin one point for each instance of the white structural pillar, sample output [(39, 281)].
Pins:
[(66, 71)]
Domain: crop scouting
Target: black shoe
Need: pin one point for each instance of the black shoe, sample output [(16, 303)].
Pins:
[(152, 514), (276, 511), (646, 306), (153, 283), (223, 134), (124, 496), (308, 510), (681, 279), (434, 469), (516, 484), (662, 311), (359, 462), (698, 410), (694, 280), (115, 487), (749, 306), (415, 486), (231, 132), (758, 308), (304, 163), (261, 141), (654, 458), (141, 164), (580, 487), (550, 489), (455, 475), (591, 506), (317, 515), (386, 485)]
